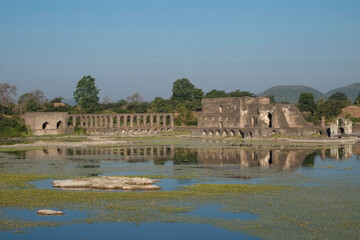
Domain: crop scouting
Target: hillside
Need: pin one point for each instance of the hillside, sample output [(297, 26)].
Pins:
[(290, 93), (351, 91)]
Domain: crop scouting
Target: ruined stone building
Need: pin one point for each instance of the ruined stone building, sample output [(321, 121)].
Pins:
[(107, 124), (251, 117)]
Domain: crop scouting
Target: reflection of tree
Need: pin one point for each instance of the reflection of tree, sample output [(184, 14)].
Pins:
[(309, 160), (185, 155)]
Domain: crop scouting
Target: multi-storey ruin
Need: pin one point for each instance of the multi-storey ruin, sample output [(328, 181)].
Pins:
[(251, 117)]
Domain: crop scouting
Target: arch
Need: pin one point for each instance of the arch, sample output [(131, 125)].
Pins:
[(221, 109), (204, 133), (211, 133), (340, 122), (250, 135), (270, 120), (142, 120), (217, 133), (45, 125), (328, 132), (342, 130), (232, 133), (224, 133), (155, 131), (167, 120), (273, 132), (59, 125), (221, 124), (241, 133), (147, 121)]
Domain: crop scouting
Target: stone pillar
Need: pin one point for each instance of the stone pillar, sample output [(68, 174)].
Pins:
[(138, 120), (151, 120), (96, 121), (131, 120), (111, 121), (157, 120), (164, 121), (74, 121), (118, 121), (322, 124), (172, 120)]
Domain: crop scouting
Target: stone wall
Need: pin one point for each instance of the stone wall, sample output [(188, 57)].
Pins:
[(250, 117), (47, 123)]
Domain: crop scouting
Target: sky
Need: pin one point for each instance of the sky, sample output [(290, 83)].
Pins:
[(145, 45)]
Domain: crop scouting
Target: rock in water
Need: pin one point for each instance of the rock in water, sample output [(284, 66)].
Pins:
[(50, 212), (108, 182)]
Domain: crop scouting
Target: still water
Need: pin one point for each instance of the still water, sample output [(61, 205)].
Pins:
[(311, 171)]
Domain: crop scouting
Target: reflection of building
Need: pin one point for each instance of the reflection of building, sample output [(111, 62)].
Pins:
[(279, 159), (126, 153), (250, 117)]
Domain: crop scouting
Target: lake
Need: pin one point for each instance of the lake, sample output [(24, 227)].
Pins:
[(210, 190)]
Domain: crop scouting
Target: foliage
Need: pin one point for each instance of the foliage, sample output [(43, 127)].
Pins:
[(184, 117), (332, 107), (12, 127), (306, 103), (136, 97), (183, 90), (272, 98), (216, 94), (86, 94), (239, 93), (161, 105), (7, 96), (357, 100), (32, 101), (220, 94)]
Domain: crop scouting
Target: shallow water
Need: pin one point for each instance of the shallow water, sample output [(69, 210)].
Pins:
[(234, 217)]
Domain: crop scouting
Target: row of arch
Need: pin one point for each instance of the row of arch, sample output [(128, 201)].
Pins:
[(230, 133), (129, 131), (121, 120), (59, 125)]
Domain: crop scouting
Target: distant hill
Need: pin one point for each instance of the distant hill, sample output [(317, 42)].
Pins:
[(351, 91), (290, 93)]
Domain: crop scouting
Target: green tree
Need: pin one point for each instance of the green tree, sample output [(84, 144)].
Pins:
[(87, 94), (332, 107), (238, 93), (272, 98), (306, 103), (184, 90), (339, 96), (357, 100), (216, 94), (161, 105)]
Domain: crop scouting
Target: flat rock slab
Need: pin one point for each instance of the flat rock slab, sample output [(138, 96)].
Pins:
[(108, 182), (50, 212)]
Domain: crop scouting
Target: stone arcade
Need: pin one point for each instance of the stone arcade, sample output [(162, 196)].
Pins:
[(111, 124)]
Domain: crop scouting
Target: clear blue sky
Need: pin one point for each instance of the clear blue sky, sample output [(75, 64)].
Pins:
[(144, 46)]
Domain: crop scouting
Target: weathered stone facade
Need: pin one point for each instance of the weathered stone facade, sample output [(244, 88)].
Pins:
[(250, 117), (110, 124)]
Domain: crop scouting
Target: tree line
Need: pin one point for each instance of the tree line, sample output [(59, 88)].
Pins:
[(184, 101)]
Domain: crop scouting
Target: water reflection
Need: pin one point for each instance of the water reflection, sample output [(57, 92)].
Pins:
[(280, 158)]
